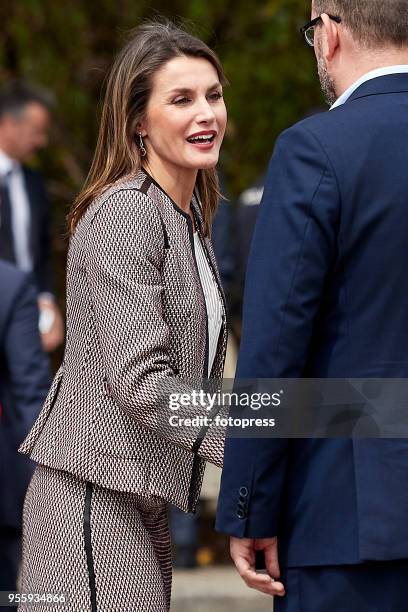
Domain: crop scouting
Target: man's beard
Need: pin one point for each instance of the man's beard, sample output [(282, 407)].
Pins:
[(326, 82)]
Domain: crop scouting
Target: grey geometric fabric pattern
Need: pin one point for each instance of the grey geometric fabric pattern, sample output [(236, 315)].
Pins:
[(130, 547), (136, 320)]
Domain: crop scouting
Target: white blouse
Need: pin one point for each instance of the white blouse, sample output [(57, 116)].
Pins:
[(212, 300)]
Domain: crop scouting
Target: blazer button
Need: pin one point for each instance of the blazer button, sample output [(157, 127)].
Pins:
[(241, 513), (243, 492)]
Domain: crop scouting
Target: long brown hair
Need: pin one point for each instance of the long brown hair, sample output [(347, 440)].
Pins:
[(128, 88)]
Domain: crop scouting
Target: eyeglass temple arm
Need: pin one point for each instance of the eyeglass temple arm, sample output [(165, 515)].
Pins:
[(316, 20)]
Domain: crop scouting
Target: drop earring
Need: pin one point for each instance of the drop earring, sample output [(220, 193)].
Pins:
[(142, 148)]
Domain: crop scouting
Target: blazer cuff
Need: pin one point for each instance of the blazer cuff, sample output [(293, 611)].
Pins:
[(238, 517)]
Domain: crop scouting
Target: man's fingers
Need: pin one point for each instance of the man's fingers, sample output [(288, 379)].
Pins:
[(276, 589), (260, 582), (243, 555), (269, 547), (271, 562), (242, 566)]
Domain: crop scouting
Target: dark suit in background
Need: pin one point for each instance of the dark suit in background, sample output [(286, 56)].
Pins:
[(39, 238), (327, 296), (24, 382)]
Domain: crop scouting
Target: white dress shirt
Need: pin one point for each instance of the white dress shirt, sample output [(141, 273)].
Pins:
[(11, 175), (373, 74), (212, 301)]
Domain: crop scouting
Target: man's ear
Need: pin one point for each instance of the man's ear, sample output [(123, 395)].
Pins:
[(331, 30)]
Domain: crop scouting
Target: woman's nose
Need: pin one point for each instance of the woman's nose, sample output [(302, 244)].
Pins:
[(205, 112)]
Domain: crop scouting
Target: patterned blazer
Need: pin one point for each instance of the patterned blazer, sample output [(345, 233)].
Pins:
[(136, 319)]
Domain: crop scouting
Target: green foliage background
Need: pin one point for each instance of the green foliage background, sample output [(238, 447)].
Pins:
[(67, 47)]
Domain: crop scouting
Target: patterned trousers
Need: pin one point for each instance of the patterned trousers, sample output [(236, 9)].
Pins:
[(107, 551)]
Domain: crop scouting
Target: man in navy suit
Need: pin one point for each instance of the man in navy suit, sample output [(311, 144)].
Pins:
[(327, 296), (24, 208), (24, 383)]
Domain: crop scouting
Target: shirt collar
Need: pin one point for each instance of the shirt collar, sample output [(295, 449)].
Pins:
[(7, 164), (373, 74)]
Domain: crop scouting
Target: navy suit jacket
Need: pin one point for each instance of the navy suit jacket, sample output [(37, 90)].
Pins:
[(39, 231), (24, 383), (327, 296)]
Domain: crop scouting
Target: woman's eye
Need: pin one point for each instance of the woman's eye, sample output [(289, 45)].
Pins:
[(217, 95), (183, 100)]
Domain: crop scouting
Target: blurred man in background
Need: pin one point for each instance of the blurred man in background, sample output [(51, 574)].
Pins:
[(24, 382), (24, 209)]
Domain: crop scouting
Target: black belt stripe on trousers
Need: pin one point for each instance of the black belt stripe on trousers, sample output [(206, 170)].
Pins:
[(88, 545)]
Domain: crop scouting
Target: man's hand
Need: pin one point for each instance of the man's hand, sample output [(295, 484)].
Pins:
[(51, 325), (243, 551)]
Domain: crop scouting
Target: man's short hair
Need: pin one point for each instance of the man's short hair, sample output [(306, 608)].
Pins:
[(374, 23), (16, 96)]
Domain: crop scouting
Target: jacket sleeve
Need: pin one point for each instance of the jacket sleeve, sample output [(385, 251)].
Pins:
[(294, 245), (27, 363), (125, 249)]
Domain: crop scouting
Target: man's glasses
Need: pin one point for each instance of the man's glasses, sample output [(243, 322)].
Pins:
[(309, 28)]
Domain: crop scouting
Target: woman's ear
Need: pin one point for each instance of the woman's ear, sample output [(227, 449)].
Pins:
[(141, 129)]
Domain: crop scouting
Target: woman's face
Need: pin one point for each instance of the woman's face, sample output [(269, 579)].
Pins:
[(186, 115)]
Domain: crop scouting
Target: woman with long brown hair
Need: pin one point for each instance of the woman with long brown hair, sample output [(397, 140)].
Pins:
[(145, 310)]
